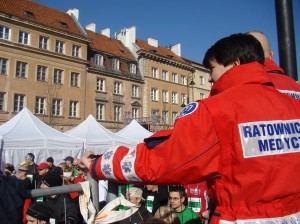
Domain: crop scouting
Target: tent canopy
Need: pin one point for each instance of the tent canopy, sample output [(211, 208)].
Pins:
[(134, 131), (97, 138), (26, 133)]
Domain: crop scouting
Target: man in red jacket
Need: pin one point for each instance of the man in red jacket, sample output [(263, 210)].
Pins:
[(244, 140), (282, 82)]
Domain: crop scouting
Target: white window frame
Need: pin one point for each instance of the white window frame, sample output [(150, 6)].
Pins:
[(154, 94), (21, 69), (75, 79), (183, 80), (174, 97), (165, 75), (174, 77), (41, 73), (43, 42), (40, 105), (202, 81), (2, 101), (4, 33), (116, 64), (117, 113), (56, 109), (76, 51), (165, 96), (3, 66), (202, 96), (135, 112), (165, 116), (58, 76), (19, 102), (135, 91), (59, 46), (100, 111), (118, 88), (174, 115), (154, 73), (99, 59), (100, 86), (24, 37), (74, 108), (132, 68)]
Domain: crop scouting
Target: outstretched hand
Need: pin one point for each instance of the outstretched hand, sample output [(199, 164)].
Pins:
[(86, 159)]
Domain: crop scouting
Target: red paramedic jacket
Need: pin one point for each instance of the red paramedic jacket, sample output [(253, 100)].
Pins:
[(244, 140), (282, 82)]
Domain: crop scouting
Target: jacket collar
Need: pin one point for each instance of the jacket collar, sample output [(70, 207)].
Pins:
[(250, 73), (271, 67)]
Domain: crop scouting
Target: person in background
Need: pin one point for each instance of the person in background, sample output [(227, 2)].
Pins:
[(156, 196), (177, 201), (134, 195), (9, 169), (70, 167), (167, 214), (51, 165), (32, 166), (38, 213), (281, 81), (62, 207), (246, 128), (43, 168)]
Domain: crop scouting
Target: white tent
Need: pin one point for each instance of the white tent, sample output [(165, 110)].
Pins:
[(97, 138), (134, 131), (26, 133)]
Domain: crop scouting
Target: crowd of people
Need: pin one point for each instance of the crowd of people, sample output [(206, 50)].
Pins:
[(229, 156)]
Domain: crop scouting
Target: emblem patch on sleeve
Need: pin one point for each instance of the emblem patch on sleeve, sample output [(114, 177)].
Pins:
[(189, 109)]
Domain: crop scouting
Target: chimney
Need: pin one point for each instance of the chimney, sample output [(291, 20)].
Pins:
[(152, 42), (176, 49), (106, 32), (127, 36), (75, 13), (91, 27)]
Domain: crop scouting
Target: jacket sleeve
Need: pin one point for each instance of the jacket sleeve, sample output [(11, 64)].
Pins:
[(189, 153)]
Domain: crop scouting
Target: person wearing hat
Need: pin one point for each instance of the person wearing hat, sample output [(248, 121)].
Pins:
[(50, 162), (134, 195), (38, 213), (43, 168), (62, 207)]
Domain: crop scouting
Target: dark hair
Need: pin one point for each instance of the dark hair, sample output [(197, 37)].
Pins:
[(178, 188), (240, 46)]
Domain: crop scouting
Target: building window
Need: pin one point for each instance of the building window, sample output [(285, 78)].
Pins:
[(165, 75), (118, 88), (165, 96), (100, 85), (100, 110), (154, 94), (118, 113), (41, 73), (74, 79), (73, 109), (21, 69), (183, 80), (135, 91), (155, 115), (175, 97), (57, 107), (174, 115), (201, 80), (75, 51), (99, 60), (43, 42), (165, 117), (115, 64), (57, 76), (135, 112), (40, 105), (183, 99), (202, 96), (3, 66), (23, 37), (154, 72), (19, 101), (174, 77), (132, 68), (4, 32), (2, 101), (59, 47)]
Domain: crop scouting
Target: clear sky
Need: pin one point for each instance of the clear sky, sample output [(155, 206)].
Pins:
[(196, 24)]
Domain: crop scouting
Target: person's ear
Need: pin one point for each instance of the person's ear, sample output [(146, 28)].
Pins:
[(236, 62), (271, 54)]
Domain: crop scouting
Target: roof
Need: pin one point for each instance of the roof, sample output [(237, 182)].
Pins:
[(109, 45), (161, 51), (40, 14)]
